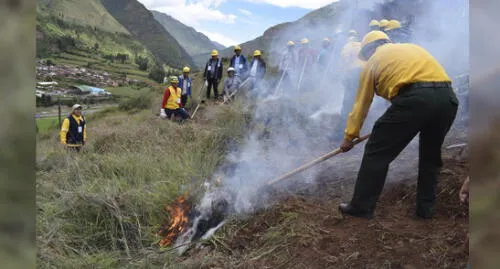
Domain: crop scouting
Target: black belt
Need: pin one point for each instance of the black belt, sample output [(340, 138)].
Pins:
[(425, 85)]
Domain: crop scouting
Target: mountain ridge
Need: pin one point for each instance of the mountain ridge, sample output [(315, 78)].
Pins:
[(192, 41)]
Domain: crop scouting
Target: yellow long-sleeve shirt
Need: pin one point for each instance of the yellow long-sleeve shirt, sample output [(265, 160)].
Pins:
[(391, 67), (350, 53), (65, 129)]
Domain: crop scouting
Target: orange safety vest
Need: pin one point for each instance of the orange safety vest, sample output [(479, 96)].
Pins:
[(174, 99)]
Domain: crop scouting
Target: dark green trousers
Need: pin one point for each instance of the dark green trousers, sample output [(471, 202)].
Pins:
[(428, 110)]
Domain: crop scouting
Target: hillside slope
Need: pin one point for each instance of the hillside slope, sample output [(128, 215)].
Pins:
[(141, 23), (88, 12), (192, 41)]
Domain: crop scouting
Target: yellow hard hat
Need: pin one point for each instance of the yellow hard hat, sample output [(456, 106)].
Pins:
[(186, 69), (237, 48), (374, 23), (257, 53), (304, 41), (393, 24), (370, 38), (383, 23), (214, 53), (290, 43), (174, 79)]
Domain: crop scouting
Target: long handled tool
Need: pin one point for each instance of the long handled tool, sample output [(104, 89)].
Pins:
[(235, 91), (302, 73), (199, 96), (314, 162), (281, 78)]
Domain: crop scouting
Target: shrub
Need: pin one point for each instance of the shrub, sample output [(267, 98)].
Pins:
[(135, 103)]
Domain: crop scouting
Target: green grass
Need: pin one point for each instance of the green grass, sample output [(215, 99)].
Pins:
[(126, 91), (47, 124), (100, 208)]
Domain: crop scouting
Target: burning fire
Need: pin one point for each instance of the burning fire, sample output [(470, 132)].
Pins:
[(179, 219)]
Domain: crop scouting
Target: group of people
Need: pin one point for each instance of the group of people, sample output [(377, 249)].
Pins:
[(383, 63), (239, 72), (422, 101)]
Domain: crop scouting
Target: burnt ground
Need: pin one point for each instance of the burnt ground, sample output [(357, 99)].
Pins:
[(304, 229)]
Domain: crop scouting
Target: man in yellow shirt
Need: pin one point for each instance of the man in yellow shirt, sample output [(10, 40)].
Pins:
[(352, 66), (73, 132), (422, 101)]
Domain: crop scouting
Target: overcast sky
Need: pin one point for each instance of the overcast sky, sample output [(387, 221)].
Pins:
[(231, 22)]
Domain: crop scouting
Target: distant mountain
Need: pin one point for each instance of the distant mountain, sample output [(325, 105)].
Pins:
[(141, 24), (132, 29), (324, 22), (88, 12), (192, 41), (218, 46)]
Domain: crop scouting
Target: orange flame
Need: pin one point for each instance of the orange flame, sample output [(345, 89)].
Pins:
[(178, 213)]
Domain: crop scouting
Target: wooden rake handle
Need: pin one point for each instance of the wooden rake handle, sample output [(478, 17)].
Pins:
[(316, 161)]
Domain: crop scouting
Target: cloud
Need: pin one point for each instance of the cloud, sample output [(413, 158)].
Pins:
[(191, 13), (220, 38), (309, 4), (244, 11)]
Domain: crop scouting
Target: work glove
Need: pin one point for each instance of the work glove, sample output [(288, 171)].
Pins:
[(162, 113), (206, 83)]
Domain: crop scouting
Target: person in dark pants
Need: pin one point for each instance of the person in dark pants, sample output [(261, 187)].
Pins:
[(171, 103), (185, 84), (213, 74), (422, 102), (73, 132)]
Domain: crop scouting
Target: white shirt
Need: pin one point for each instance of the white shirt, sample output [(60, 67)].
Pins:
[(253, 71), (184, 86), (237, 64)]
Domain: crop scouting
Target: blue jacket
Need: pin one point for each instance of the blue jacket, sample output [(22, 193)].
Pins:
[(181, 85), (243, 63)]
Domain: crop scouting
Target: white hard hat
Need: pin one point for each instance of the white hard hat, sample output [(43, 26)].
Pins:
[(75, 106), (230, 69)]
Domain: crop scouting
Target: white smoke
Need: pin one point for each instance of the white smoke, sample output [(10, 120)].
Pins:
[(292, 128)]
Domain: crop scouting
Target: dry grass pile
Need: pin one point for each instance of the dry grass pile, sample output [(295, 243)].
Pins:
[(100, 208)]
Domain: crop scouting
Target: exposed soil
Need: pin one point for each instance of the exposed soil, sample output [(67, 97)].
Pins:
[(307, 231)]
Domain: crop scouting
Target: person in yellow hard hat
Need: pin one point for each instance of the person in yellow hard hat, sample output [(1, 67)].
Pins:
[(185, 85), (351, 66), (213, 74), (374, 25), (171, 103), (288, 65), (306, 55), (382, 24), (396, 32), (239, 62), (257, 69), (73, 132), (325, 53), (422, 102)]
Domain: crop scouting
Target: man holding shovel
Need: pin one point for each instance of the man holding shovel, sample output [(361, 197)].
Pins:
[(422, 101)]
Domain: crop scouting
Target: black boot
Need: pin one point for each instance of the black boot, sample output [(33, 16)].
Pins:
[(347, 209)]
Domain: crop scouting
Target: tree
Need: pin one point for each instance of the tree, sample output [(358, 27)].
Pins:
[(121, 57), (142, 62), (157, 74), (96, 46)]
